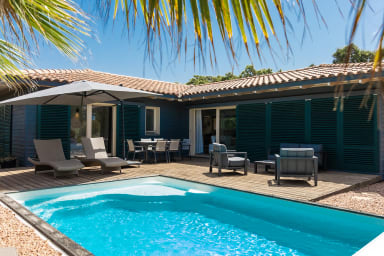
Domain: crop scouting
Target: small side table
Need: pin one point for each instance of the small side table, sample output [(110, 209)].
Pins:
[(267, 164)]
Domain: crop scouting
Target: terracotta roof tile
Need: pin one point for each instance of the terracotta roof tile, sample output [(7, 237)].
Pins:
[(71, 75), (309, 73)]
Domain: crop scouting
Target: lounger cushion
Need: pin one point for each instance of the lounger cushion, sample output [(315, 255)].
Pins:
[(112, 162), (49, 150), (94, 148), (66, 165)]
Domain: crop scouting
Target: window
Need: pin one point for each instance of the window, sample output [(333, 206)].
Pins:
[(152, 120)]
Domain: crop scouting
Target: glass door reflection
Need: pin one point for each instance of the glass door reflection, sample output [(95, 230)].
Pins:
[(228, 128), (102, 124)]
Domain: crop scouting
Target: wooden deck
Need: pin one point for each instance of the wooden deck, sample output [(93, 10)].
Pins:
[(330, 182)]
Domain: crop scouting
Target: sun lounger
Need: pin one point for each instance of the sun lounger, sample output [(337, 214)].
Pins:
[(51, 157), (94, 149)]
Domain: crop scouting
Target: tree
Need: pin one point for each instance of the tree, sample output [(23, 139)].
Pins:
[(197, 79), (352, 54), (251, 71), (248, 71)]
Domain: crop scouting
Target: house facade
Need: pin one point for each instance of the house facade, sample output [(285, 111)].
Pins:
[(333, 105)]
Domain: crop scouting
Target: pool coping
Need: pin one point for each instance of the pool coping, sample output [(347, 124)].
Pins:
[(72, 248), (63, 242)]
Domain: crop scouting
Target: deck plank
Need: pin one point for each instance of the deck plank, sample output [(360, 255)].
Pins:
[(330, 182)]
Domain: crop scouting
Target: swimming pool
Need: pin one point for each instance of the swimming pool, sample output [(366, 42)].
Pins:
[(160, 215)]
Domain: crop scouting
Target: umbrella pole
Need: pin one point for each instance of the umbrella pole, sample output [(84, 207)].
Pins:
[(123, 127)]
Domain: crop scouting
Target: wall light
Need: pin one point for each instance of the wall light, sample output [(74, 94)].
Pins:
[(77, 114)]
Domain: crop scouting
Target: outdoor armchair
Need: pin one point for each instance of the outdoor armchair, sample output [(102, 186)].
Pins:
[(222, 158), (51, 157), (94, 149), (296, 162)]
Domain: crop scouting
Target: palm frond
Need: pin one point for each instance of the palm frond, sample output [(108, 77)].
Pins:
[(10, 55), (252, 18), (24, 22)]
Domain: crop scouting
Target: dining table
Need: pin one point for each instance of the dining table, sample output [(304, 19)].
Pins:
[(146, 144)]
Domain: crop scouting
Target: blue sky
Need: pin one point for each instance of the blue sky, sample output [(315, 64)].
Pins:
[(109, 49)]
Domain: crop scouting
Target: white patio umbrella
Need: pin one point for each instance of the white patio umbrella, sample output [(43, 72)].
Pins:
[(80, 93)]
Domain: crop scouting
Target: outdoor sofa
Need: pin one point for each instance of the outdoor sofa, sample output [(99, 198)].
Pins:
[(318, 151), (296, 162), (51, 157), (222, 158)]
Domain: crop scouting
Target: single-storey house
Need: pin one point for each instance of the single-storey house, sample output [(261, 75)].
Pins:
[(253, 114)]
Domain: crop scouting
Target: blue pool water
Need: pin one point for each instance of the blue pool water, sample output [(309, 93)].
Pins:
[(164, 216)]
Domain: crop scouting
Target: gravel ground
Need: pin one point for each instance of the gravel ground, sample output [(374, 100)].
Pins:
[(14, 233), (369, 199)]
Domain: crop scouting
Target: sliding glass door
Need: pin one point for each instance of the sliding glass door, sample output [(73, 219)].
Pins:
[(228, 128), (102, 124), (78, 129)]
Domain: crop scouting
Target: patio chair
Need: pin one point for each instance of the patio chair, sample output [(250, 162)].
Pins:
[(174, 147), (51, 157), (186, 147), (210, 146), (222, 158), (296, 162), (134, 149), (94, 149), (160, 148)]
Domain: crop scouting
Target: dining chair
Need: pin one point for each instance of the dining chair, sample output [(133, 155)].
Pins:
[(174, 147), (160, 148)]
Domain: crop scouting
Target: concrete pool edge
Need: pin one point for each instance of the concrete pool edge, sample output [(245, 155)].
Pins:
[(63, 242)]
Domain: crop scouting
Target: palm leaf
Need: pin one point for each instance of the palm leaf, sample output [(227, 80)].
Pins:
[(252, 19), (24, 21)]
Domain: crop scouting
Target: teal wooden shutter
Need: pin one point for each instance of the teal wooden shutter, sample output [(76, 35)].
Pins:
[(287, 123), (5, 130), (360, 150), (324, 129), (131, 125), (251, 130), (54, 122)]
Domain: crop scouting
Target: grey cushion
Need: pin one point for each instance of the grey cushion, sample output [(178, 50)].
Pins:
[(297, 166), (296, 152), (66, 165), (316, 147), (236, 161), (94, 148), (112, 162), (289, 145), (219, 147), (49, 150)]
